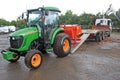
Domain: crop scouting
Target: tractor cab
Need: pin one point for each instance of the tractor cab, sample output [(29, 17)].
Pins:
[(46, 19), (46, 16)]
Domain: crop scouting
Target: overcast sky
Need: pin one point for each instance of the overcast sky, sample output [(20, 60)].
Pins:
[(11, 9)]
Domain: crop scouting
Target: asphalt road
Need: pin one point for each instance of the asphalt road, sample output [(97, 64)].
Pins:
[(92, 61)]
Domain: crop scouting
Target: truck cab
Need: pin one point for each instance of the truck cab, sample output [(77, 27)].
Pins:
[(104, 22)]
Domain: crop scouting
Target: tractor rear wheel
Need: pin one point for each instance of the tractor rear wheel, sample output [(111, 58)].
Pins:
[(33, 59), (62, 45)]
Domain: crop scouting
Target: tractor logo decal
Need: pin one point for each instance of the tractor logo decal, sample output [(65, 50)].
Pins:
[(31, 33)]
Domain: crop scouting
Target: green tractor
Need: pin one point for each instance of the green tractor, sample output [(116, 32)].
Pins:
[(42, 35)]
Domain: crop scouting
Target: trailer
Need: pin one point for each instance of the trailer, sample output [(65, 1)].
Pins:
[(100, 30), (78, 36)]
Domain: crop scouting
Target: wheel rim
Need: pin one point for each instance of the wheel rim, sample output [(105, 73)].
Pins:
[(36, 60), (66, 45)]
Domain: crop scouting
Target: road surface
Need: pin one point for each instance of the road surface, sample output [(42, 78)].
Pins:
[(92, 61)]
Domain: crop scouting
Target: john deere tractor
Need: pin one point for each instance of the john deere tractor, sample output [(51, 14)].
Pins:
[(41, 35)]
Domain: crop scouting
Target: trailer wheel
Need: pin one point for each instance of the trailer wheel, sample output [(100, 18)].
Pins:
[(33, 59), (103, 36), (62, 45), (108, 34), (15, 59), (99, 37)]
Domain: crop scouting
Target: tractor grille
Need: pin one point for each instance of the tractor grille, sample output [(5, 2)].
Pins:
[(16, 42)]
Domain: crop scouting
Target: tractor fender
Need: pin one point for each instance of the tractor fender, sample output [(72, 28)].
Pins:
[(56, 31)]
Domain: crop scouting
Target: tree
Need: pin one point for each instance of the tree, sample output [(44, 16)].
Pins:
[(67, 18), (13, 23), (85, 19), (4, 22)]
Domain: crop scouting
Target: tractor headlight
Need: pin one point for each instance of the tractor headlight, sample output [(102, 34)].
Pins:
[(16, 41), (16, 37), (13, 38)]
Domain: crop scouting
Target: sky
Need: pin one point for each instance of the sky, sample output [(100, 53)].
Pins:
[(11, 9)]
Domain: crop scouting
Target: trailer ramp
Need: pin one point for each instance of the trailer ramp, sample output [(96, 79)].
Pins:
[(83, 39)]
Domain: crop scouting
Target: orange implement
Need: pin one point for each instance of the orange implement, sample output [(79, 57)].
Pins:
[(74, 31)]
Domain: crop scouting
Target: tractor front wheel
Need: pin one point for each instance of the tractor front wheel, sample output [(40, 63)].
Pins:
[(33, 59), (62, 45)]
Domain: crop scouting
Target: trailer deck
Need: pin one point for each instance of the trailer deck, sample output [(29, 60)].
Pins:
[(85, 34), (83, 39)]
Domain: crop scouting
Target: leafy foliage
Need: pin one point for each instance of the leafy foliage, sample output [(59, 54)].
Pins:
[(85, 19), (4, 22), (18, 23)]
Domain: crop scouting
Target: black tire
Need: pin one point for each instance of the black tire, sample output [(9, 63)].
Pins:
[(44, 51), (15, 59), (98, 37), (33, 59), (60, 48), (33, 45), (103, 36), (108, 34)]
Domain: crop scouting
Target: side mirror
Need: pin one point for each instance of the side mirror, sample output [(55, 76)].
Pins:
[(22, 15)]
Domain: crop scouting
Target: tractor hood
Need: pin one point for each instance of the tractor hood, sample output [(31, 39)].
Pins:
[(25, 31)]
